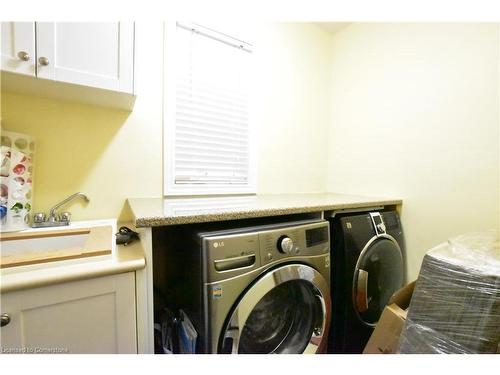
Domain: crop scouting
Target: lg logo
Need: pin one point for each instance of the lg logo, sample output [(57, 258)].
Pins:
[(219, 244)]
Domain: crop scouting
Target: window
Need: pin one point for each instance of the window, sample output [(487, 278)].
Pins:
[(208, 136)]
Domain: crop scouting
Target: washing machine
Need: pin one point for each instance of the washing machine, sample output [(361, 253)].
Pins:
[(368, 266), (261, 289)]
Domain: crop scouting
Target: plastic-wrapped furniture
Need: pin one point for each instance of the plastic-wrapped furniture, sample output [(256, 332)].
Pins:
[(455, 307)]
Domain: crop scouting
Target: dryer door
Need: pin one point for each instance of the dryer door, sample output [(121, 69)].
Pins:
[(286, 311), (378, 274)]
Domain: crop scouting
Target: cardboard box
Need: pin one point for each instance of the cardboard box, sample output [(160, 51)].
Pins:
[(385, 337)]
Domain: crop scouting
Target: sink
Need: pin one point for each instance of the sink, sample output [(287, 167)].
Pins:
[(42, 245), (50, 243)]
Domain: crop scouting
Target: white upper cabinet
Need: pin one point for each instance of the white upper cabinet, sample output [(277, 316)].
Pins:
[(92, 54), (95, 54), (18, 47)]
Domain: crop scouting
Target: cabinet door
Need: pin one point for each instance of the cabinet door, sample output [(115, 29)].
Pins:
[(89, 316), (96, 54), (18, 47)]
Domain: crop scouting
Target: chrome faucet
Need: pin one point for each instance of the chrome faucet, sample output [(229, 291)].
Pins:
[(39, 219)]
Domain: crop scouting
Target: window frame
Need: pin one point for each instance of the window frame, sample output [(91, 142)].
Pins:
[(170, 188)]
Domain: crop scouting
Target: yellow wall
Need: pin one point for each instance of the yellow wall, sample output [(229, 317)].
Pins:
[(106, 153), (112, 155), (415, 115), (294, 65)]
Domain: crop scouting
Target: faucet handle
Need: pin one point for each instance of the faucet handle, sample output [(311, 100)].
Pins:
[(65, 216), (39, 217)]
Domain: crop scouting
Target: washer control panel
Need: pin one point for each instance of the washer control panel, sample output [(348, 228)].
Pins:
[(302, 240), (230, 253)]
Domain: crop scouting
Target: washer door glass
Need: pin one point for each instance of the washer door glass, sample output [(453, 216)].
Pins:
[(287, 310), (283, 321), (378, 274)]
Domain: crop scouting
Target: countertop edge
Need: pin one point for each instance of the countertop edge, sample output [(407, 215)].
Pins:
[(125, 259), (70, 275), (158, 221)]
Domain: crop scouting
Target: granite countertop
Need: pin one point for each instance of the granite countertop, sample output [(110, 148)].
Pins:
[(153, 212), (123, 259)]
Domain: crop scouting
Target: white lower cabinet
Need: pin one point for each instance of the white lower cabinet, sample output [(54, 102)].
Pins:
[(89, 316)]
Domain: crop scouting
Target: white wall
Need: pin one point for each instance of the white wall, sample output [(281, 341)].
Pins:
[(294, 67), (414, 114)]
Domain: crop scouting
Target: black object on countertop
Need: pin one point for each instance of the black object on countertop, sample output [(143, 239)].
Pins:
[(125, 236)]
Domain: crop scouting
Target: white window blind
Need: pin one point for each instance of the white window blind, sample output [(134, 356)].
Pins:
[(211, 145)]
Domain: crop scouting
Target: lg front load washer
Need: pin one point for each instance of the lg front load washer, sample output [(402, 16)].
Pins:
[(262, 289), (368, 267)]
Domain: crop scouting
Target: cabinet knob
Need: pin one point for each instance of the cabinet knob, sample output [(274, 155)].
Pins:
[(43, 61), (4, 320), (25, 56)]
